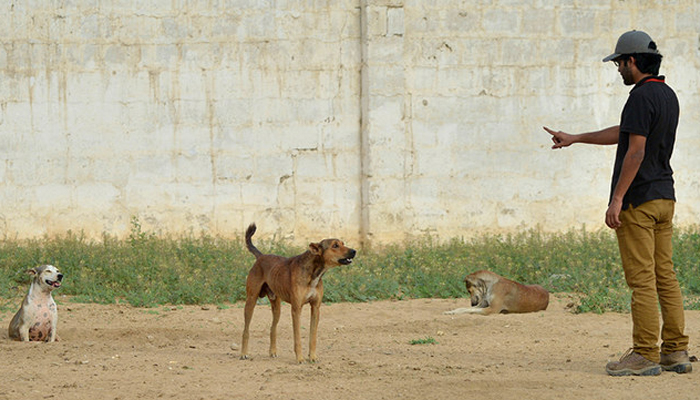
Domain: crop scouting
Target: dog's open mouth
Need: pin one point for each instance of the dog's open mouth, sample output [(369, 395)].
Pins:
[(349, 255), (55, 284)]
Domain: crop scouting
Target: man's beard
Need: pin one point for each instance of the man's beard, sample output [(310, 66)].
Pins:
[(627, 77)]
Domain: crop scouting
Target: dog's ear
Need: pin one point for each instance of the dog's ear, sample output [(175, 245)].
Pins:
[(316, 249), (32, 271), (470, 281)]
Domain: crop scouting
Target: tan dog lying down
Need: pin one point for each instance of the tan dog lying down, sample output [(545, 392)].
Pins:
[(491, 293)]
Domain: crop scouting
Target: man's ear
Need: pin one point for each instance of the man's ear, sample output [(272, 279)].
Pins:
[(315, 248), (632, 61)]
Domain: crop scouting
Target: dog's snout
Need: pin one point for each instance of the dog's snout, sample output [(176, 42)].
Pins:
[(351, 253), (60, 277)]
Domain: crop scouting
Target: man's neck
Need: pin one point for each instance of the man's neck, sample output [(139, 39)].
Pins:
[(638, 77)]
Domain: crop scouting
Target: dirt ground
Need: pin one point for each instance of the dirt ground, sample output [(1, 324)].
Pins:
[(121, 352)]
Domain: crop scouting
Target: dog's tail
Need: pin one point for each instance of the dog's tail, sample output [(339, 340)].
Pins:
[(249, 243)]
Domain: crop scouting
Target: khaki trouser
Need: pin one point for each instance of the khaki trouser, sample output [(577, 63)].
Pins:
[(646, 249)]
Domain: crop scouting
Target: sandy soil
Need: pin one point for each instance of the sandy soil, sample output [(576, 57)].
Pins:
[(121, 352)]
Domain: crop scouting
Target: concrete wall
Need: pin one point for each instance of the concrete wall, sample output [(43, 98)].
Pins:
[(374, 121)]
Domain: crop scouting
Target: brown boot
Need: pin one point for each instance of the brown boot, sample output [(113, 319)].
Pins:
[(632, 363), (678, 361)]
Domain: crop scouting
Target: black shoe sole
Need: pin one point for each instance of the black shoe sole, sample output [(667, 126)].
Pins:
[(682, 368), (653, 371)]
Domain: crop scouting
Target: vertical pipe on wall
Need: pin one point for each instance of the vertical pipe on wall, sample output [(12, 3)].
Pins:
[(364, 134)]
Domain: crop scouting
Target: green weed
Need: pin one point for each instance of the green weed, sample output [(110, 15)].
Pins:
[(426, 340), (149, 270)]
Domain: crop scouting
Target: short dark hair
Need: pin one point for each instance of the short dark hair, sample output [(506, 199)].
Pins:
[(647, 63)]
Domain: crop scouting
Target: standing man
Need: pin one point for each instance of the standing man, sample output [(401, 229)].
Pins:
[(641, 207)]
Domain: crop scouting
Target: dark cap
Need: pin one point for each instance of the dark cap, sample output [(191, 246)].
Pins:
[(633, 42)]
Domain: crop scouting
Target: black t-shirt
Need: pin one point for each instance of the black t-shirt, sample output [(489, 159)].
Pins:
[(652, 111)]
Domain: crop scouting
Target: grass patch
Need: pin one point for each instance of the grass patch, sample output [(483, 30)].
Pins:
[(426, 340), (148, 270)]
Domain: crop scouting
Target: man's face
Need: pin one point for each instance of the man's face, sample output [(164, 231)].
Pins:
[(624, 67)]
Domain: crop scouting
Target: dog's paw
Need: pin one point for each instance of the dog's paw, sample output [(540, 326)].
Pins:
[(244, 357), (456, 311)]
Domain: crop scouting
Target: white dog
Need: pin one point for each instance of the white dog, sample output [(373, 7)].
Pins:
[(37, 316)]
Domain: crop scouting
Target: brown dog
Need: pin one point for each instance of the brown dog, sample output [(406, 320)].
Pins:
[(296, 280), (491, 293)]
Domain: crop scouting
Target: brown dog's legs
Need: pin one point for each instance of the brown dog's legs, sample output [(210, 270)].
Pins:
[(313, 331), (248, 315), (253, 285), (296, 316), (276, 306)]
